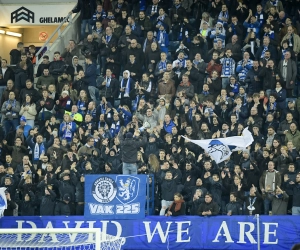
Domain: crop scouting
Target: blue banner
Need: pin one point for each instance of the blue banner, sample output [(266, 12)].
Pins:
[(185, 232), (115, 196)]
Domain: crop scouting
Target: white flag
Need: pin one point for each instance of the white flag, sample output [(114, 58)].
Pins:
[(3, 201), (221, 148)]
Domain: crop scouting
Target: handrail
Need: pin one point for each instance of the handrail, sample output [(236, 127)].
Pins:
[(53, 34)]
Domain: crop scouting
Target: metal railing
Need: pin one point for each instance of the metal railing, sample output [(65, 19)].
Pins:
[(60, 34)]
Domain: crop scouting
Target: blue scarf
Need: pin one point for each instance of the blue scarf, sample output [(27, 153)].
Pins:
[(191, 113), (264, 51), (80, 104), (271, 110), (67, 133), (107, 38), (271, 34), (126, 86), (162, 65), (102, 108), (283, 53), (38, 150), (233, 29), (205, 93), (13, 105), (235, 88), (92, 113), (162, 39), (115, 128), (136, 101)]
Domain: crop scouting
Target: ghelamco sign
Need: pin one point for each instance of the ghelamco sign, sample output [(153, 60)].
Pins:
[(29, 14)]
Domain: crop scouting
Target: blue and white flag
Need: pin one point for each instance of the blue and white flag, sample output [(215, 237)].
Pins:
[(221, 148), (3, 201), (115, 196)]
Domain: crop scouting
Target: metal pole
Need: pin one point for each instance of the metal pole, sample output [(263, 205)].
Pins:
[(53, 34), (258, 231), (148, 189)]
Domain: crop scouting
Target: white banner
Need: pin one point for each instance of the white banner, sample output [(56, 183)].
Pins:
[(221, 148), (30, 14)]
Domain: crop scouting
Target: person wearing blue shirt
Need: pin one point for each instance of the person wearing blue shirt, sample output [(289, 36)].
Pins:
[(168, 124), (253, 25), (26, 127), (67, 128)]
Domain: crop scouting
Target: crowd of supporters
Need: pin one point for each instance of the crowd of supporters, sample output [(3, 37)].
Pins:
[(146, 73)]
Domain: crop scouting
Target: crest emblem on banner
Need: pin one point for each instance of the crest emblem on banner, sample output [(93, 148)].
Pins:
[(104, 189), (219, 149), (128, 188)]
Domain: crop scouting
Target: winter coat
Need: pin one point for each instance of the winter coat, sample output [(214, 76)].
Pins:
[(129, 148), (47, 204), (56, 68), (62, 208), (20, 78), (79, 192), (295, 138), (179, 212), (235, 208), (212, 206), (35, 96), (290, 74), (279, 203), (168, 189), (66, 187)]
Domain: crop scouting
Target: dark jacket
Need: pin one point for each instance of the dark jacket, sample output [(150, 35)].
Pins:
[(129, 148), (26, 208), (181, 211), (11, 205), (212, 206), (272, 50), (90, 74), (257, 204), (111, 91), (35, 96), (47, 204), (235, 208), (66, 186), (295, 191), (84, 13), (80, 192), (253, 86), (62, 208), (56, 68), (90, 48), (21, 76), (8, 75), (168, 189)]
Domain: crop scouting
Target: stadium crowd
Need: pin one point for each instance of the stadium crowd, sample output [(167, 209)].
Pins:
[(202, 69)]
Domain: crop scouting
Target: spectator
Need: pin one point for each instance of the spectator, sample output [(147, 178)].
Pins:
[(45, 80), (129, 148), (10, 113), (86, 13), (57, 66), (177, 208), (208, 207), (28, 111)]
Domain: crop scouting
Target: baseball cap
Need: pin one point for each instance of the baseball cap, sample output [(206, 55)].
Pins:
[(22, 119)]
